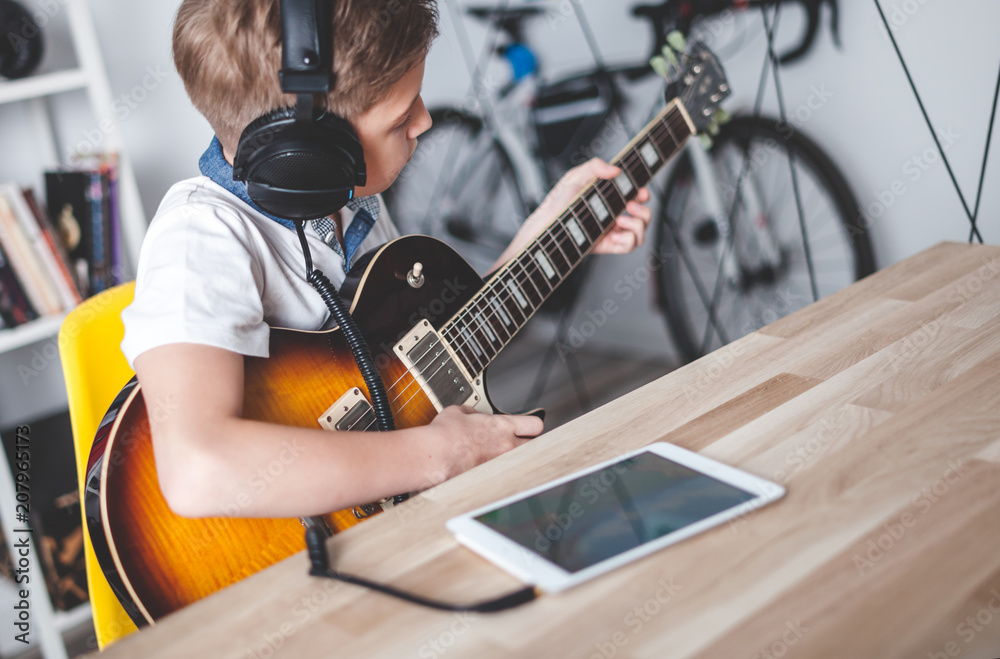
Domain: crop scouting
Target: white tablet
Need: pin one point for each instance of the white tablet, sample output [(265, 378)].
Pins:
[(567, 531)]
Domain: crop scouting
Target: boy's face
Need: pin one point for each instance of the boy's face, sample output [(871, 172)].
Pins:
[(388, 131)]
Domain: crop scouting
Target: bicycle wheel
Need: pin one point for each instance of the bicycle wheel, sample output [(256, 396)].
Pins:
[(718, 285), (459, 187)]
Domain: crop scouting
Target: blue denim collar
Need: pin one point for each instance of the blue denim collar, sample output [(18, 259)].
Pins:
[(213, 165)]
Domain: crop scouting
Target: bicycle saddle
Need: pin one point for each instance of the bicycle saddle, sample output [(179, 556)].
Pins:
[(508, 19)]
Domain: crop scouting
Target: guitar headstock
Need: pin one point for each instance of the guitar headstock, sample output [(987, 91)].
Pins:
[(694, 76)]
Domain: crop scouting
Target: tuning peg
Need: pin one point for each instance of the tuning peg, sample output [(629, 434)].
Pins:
[(669, 55), (677, 41), (659, 65), (722, 117), (713, 127), (705, 140)]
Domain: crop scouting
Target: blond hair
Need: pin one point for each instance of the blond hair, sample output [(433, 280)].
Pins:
[(228, 53)]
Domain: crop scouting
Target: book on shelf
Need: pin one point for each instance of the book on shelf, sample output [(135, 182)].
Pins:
[(15, 308), (48, 256), (25, 263), (83, 208)]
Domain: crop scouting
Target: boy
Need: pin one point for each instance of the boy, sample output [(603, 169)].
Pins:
[(215, 271)]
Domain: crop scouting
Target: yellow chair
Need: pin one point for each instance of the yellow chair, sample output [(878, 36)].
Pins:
[(95, 370)]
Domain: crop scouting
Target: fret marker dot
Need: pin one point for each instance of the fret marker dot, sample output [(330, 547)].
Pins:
[(649, 154)]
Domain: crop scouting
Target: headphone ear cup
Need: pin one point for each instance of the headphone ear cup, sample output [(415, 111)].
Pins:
[(299, 170)]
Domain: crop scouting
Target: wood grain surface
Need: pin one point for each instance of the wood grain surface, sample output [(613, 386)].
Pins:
[(877, 407)]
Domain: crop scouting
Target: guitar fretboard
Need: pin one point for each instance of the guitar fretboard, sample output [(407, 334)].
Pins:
[(481, 329)]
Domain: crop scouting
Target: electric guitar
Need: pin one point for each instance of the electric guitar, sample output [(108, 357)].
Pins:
[(433, 325)]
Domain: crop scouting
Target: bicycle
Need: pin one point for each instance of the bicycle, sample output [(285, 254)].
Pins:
[(726, 229)]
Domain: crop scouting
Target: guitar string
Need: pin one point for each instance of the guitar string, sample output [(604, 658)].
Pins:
[(632, 153), (549, 237), (458, 344)]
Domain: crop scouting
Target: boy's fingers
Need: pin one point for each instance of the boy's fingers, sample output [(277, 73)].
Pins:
[(527, 425)]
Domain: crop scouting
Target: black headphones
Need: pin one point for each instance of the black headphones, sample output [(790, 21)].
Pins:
[(302, 163)]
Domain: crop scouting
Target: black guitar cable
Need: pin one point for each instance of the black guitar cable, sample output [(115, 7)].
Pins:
[(320, 567), (316, 534), (340, 312)]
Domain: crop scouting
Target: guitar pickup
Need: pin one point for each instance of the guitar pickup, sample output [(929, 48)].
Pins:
[(352, 411), (440, 374)]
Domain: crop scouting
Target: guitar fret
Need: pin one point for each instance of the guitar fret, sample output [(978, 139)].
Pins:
[(587, 220), (471, 342), (532, 292), (540, 281), (624, 182), (554, 251), (650, 154), (491, 322), (517, 293), (502, 314), (464, 350), (670, 133), (574, 230), (598, 207), (616, 201), (543, 262), (493, 317), (567, 240), (641, 174), (487, 332)]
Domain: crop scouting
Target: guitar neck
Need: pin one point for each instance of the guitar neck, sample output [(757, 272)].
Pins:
[(481, 329)]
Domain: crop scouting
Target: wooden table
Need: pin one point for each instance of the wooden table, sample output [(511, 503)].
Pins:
[(878, 408)]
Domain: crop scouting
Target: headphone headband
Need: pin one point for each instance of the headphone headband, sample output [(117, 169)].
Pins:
[(302, 163), (306, 47)]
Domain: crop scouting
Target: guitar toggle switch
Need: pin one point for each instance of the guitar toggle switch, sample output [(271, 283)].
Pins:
[(415, 277)]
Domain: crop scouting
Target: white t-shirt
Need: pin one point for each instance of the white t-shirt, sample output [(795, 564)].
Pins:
[(214, 271)]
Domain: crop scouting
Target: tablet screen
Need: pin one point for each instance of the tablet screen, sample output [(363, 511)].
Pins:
[(607, 512)]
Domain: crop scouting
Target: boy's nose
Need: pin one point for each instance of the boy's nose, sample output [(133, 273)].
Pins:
[(422, 122)]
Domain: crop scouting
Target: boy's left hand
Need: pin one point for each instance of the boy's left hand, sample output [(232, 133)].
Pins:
[(629, 230)]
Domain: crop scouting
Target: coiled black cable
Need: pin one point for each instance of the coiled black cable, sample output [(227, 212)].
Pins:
[(359, 347), (320, 567)]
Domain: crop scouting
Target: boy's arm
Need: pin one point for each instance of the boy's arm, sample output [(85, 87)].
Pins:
[(630, 227), (208, 459)]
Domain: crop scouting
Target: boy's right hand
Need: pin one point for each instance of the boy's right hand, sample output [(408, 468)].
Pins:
[(465, 438)]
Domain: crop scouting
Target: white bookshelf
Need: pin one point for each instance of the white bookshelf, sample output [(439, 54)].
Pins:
[(37, 92)]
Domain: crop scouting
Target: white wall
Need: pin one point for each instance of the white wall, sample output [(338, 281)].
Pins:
[(870, 125)]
